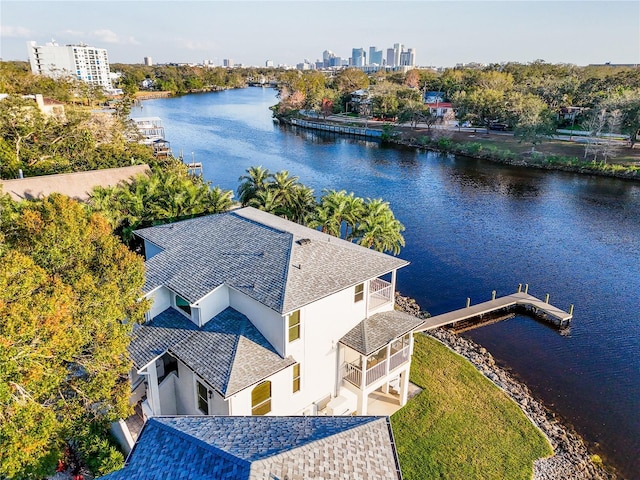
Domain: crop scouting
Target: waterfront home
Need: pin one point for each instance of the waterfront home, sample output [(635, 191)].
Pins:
[(255, 315), (263, 448)]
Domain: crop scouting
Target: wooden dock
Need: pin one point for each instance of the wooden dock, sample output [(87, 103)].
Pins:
[(539, 308)]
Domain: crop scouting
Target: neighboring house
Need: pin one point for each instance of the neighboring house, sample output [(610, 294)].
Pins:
[(254, 315), (433, 97), (238, 448), (77, 185), (360, 102), (441, 109), (48, 106)]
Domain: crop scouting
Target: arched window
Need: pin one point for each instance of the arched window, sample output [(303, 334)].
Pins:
[(261, 399)]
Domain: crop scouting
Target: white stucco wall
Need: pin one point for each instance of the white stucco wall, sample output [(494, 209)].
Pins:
[(322, 325), (281, 395), (167, 391), (267, 321), (161, 300), (185, 391), (214, 303)]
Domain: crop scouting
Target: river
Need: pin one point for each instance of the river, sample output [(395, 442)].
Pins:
[(472, 227)]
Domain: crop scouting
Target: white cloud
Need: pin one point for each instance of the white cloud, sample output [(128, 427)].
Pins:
[(16, 32), (191, 45), (74, 33), (109, 36)]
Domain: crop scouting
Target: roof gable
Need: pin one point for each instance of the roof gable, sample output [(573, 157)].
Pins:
[(229, 352), (257, 447), (260, 255), (378, 330)]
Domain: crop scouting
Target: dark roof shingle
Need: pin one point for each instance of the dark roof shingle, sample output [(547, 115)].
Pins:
[(263, 448), (375, 332), (229, 353), (260, 255)]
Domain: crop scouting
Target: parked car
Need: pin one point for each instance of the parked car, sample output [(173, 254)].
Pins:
[(498, 126)]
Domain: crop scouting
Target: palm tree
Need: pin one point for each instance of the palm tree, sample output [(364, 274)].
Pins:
[(302, 205), (266, 200), (338, 212), (255, 181), (219, 200), (284, 187), (379, 229)]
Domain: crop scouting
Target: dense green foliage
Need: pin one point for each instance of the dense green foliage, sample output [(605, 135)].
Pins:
[(368, 222), (461, 426), (528, 98), (77, 140), (69, 296), (180, 79), (165, 196)]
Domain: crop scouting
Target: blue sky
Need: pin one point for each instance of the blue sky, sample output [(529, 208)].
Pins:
[(442, 32)]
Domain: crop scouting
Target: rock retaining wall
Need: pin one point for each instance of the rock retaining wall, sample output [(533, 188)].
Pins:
[(571, 459)]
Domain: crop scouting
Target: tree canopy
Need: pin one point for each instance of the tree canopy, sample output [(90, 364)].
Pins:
[(368, 222), (69, 296), (167, 195)]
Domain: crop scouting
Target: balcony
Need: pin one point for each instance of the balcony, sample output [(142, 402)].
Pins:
[(377, 368), (380, 293)]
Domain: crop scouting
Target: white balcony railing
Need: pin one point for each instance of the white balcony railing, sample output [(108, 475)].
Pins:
[(379, 293), (353, 373), (399, 358)]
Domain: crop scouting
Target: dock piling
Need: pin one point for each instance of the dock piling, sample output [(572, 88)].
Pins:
[(571, 309), (526, 288), (493, 295), (546, 298), (519, 287), (468, 302)]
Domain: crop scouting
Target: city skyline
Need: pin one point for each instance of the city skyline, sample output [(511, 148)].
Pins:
[(442, 33)]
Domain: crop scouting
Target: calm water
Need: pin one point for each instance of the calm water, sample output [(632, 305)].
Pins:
[(472, 227)]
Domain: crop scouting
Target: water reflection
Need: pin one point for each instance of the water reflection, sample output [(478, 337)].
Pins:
[(473, 227)]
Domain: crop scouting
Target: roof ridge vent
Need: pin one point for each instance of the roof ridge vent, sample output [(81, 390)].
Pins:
[(304, 241)]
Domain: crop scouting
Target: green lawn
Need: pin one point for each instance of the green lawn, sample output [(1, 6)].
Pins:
[(461, 426)]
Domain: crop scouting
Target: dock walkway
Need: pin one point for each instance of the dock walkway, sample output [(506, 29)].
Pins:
[(540, 307)]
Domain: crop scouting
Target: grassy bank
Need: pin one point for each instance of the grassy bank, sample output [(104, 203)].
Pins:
[(461, 426)]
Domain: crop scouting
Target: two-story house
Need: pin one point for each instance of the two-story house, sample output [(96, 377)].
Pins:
[(254, 315)]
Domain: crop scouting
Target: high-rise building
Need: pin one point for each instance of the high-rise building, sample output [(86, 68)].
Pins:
[(358, 57), (408, 58), (390, 57), (397, 51), (148, 62), (227, 62), (268, 64), (375, 56), (88, 64)]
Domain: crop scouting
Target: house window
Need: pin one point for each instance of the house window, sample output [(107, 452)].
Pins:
[(296, 378), (359, 295), (183, 305), (203, 398), (261, 399), (294, 326)]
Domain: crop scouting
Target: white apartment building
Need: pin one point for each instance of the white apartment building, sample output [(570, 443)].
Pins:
[(88, 64)]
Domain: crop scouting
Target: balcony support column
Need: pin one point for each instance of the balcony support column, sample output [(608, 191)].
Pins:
[(393, 286), (404, 387)]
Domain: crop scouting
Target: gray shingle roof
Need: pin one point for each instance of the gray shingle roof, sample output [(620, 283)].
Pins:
[(263, 448), (151, 340), (375, 332), (229, 353), (258, 254)]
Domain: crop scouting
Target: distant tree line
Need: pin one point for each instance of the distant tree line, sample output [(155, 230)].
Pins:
[(526, 97)]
